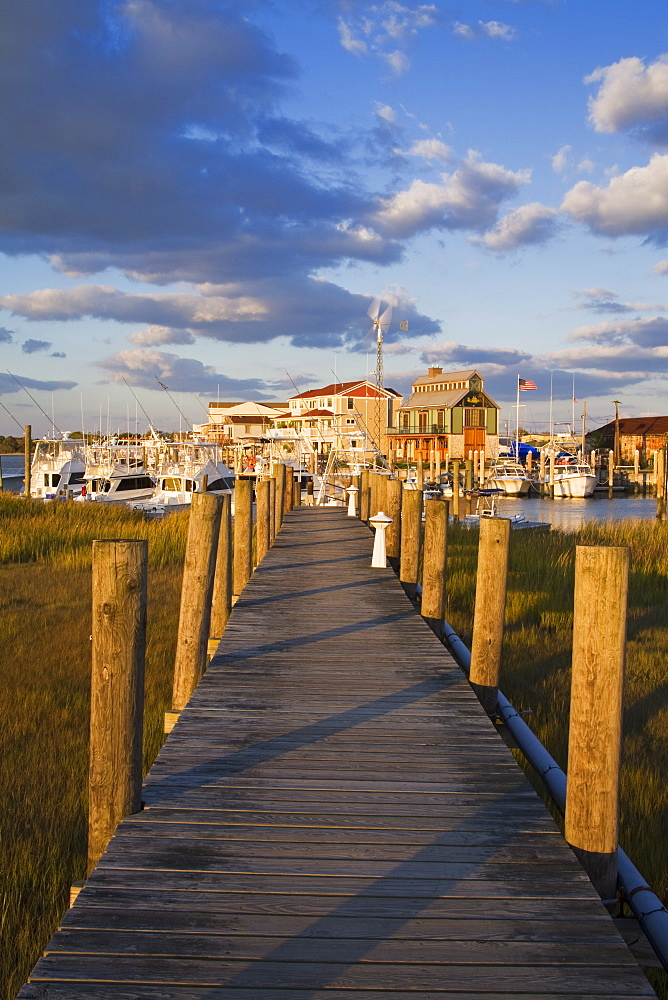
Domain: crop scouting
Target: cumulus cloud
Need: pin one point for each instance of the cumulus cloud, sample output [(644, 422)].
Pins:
[(349, 41), (58, 354), (154, 336), (635, 202), (532, 223), (648, 332), (315, 314), (6, 336), (8, 384), (32, 346), (562, 159), (484, 29), (661, 267), (431, 149), (631, 95), (469, 198), (601, 300), (144, 367)]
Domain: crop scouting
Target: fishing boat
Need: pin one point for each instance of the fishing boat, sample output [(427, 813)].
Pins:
[(187, 468), (117, 485), (485, 507), (573, 478), (57, 468), (510, 477)]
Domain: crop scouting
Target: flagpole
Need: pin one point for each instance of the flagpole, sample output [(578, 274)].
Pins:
[(517, 422)]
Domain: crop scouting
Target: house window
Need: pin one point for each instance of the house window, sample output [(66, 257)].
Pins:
[(329, 404), (247, 428), (350, 420), (423, 417), (351, 403), (405, 421), (440, 419)]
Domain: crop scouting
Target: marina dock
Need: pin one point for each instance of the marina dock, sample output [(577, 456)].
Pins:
[(335, 816)]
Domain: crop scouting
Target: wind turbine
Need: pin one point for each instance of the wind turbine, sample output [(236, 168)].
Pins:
[(380, 322)]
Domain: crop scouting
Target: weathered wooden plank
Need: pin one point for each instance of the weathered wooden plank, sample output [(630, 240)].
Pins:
[(599, 980)]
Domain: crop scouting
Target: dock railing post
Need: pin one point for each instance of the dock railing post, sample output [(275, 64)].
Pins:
[(279, 497), (297, 492), (594, 742), (660, 478), (221, 601), (393, 501), (411, 534), (455, 490), (490, 609), (365, 496), (243, 535), (27, 447), (434, 557), (272, 509), (287, 492), (196, 596), (262, 520), (117, 688), (419, 471)]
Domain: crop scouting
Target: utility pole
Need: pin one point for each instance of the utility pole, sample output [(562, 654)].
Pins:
[(616, 445)]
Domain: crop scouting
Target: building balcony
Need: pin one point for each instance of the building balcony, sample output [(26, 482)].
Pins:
[(416, 431)]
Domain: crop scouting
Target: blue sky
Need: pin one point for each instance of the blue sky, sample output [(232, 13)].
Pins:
[(211, 193)]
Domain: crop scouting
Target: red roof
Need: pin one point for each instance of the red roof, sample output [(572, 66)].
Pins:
[(362, 388)]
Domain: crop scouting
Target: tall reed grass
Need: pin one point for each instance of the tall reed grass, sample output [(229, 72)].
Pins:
[(45, 626), (537, 659)]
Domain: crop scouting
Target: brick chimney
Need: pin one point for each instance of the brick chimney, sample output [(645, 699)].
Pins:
[(433, 372)]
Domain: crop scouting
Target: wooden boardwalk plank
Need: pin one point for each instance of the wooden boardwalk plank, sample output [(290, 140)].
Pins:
[(334, 817)]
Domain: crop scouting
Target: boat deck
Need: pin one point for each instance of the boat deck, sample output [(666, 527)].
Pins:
[(335, 818)]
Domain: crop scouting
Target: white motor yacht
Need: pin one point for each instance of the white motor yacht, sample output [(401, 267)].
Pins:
[(57, 468), (511, 477), (573, 478)]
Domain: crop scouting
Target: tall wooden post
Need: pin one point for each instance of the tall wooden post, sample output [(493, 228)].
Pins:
[(411, 535), (381, 490), (221, 602), (468, 475), (393, 502), (594, 743), (660, 477), (455, 490), (365, 496), (287, 491), (117, 688), (434, 559), (262, 520), (490, 609), (272, 510), (419, 471), (196, 596), (297, 492), (27, 448), (279, 471), (611, 471), (243, 535)]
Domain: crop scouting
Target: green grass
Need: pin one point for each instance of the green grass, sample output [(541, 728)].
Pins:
[(45, 626), (537, 657)]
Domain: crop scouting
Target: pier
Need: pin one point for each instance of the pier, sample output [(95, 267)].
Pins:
[(334, 815)]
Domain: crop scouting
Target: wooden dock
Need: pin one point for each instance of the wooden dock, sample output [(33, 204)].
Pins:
[(334, 817)]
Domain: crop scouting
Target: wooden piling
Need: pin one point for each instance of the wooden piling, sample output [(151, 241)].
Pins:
[(27, 448), (594, 744), (490, 609), (468, 474), (243, 535), (287, 491), (393, 503), (262, 520), (411, 535), (297, 492), (434, 555), (117, 688), (364, 496), (196, 596), (221, 602), (279, 496), (455, 490), (419, 472), (660, 479), (272, 509)]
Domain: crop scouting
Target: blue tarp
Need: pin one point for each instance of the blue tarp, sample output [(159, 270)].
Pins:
[(524, 451)]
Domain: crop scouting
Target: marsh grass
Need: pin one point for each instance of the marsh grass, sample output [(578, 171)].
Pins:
[(537, 658), (45, 625)]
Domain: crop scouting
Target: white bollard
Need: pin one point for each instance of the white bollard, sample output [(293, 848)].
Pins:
[(380, 522), (352, 492)]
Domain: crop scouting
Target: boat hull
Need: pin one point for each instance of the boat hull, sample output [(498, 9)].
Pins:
[(512, 487), (577, 486)]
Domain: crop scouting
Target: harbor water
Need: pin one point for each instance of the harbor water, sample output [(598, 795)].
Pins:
[(570, 514), (12, 473)]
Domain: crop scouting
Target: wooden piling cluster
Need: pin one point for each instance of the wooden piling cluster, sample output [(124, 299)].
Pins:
[(599, 636), (220, 556)]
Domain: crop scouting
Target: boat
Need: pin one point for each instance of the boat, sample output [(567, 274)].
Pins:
[(186, 468), (573, 478), (486, 507), (117, 485), (57, 468), (510, 477)]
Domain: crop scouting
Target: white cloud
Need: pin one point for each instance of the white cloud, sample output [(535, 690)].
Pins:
[(484, 29), (469, 198), (634, 202), (431, 149), (661, 267), (397, 61), (631, 94), (532, 223), (586, 166), (154, 335), (561, 159), (386, 114), (650, 332), (349, 41), (144, 367)]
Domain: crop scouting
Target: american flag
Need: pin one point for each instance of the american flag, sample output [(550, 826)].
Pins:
[(526, 383)]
